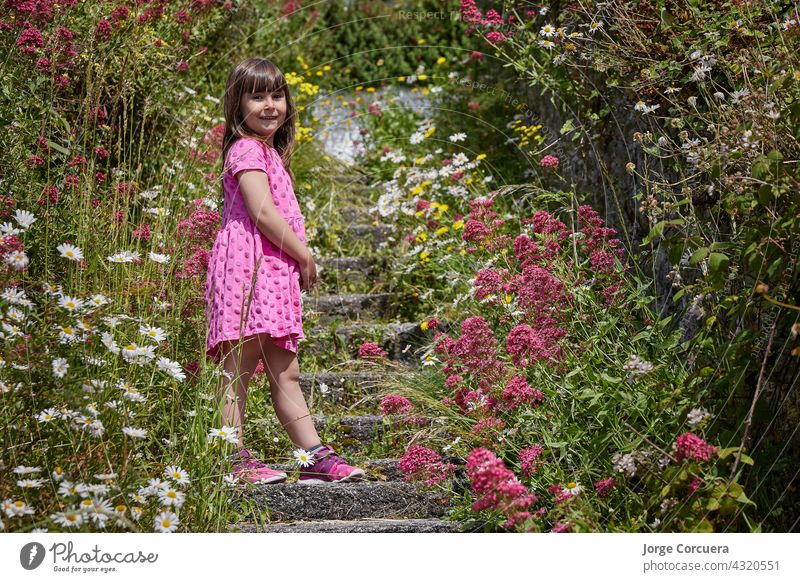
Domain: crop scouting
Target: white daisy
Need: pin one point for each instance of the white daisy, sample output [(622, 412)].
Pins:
[(30, 483), (47, 415), (172, 368), (23, 470), (573, 488), (24, 218), (170, 496), (70, 303), (457, 137), (548, 30), (69, 518), (105, 476), (303, 457), (7, 229), (17, 508), (135, 433), (124, 257), (98, 300), (60, 367), (595, 25), (158, 257), (159, 211), (69, 251), (177, 474), (226, 433), (166, 522), (17, 259), (154, 333)]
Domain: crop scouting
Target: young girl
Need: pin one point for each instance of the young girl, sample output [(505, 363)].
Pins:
[(259, 263)]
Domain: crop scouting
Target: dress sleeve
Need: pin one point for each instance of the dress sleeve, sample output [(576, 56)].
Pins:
[(246, 154)]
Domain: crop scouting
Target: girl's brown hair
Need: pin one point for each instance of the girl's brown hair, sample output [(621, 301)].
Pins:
[(254, 75)]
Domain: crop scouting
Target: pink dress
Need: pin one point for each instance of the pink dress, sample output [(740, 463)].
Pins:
[(252, 286)]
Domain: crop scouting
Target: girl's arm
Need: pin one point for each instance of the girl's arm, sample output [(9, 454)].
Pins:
[(256, 192)]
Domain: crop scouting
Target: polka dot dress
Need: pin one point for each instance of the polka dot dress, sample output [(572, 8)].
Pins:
[(252, 286)]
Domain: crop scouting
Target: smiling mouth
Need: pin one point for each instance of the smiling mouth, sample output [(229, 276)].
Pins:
[(269, 118)]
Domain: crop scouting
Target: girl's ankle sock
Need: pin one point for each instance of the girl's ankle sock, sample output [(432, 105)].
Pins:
[(315, 448)]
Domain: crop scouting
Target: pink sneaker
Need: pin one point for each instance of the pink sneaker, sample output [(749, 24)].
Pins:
[(249, 469), (329, 467)]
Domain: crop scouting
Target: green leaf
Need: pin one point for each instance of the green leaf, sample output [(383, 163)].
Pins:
[(567, 127), (58, 148), (610, 379), (718, 262), (699, 255)]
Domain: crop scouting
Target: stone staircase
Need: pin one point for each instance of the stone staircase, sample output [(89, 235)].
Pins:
[(382, 502)]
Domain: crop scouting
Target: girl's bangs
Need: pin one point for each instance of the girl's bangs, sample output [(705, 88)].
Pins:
[(259, 80)]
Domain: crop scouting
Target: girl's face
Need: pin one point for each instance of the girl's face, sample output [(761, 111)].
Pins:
[(264, 112)]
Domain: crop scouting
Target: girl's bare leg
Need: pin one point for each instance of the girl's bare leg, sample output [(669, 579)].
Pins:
[(240, 359), (287, 397)]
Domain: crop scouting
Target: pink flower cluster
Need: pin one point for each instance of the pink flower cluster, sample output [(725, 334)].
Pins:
[(527, 344), (691, 446), (201, 226), (517, 392), (497, 488), (425, 465), (394, 404), (604, 486), (530, 459), (549, 162), (371, 350)]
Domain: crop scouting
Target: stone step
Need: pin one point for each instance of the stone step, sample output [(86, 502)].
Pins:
[(377, 235), (400, 340), (376, 470), (344, 501), (356, 215), (355, 526), (337, 270), (352, 306), (351, 430), (341, 387)]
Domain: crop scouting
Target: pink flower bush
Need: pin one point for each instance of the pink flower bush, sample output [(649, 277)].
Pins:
[(425, 465), (549, 162), (604, 486), (371, 350), (517, 392), (497, 488), (530, 459), (690, 446), (393, 404)]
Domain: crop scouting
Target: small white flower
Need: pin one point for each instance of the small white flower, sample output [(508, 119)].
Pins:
[(177, 474), (166, 522), (70, 252), (70, 303), (69, 518), (548, 30), (23, 470), (154, 333), (457, 137), (17, 259), (170, 496), (158, 258), (303, 457), (24, 218), (135, 433), (47, 415), (60, 367), (172, 368), (226, 433)]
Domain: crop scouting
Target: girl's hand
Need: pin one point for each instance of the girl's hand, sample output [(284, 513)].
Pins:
[(308, 273)]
